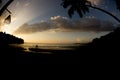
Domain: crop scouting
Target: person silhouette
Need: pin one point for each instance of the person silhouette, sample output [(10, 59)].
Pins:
[(36, 46)]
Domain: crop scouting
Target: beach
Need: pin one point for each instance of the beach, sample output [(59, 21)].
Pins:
[(47, 47)]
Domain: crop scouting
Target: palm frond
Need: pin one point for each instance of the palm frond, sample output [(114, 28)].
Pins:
[(118, 4), (71, 11), (78, 6)]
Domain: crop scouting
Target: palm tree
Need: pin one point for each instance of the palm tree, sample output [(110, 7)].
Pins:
[(5, 6), (8, 18), (118, 4), (82, 7)]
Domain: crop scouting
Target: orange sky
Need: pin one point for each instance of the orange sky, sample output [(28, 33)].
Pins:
[(36, 11)]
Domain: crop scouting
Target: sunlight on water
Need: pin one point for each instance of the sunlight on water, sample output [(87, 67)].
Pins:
[(27, 46)]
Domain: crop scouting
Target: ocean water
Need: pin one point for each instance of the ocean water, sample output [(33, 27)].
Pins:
[(44, 46)]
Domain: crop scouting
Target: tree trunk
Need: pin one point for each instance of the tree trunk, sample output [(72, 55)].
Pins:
[(5, 6), (105, 12)]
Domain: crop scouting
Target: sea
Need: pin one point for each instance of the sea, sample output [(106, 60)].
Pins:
[(50, 46)]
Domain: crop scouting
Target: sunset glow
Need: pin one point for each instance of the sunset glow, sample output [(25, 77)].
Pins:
[(43, 21)]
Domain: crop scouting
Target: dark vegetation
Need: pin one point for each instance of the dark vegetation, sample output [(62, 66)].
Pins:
[(99, 53), (112, 39), (9, 39), (83, 6), (102, 51), (6, 40)]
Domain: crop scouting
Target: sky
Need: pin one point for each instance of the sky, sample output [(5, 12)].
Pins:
[(46, 21)]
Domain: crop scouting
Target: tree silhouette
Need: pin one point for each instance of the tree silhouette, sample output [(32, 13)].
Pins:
[(7, 38), (118, 4), (83, 6), (8, 19)]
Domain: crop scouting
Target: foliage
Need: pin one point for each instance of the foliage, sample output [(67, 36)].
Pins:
[(9, 39), (118, 4), (82, 7), (76, 5)]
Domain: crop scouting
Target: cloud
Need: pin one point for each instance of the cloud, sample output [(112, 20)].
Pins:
[(27, 29), (95, 2), (27, 4), (64, 24)]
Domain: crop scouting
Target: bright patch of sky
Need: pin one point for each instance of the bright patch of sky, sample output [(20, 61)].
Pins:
[(36, 11)]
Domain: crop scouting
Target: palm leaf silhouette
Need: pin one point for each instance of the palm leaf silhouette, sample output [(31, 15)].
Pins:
[(82, 7), (78, 6), (118, 4), (0, 1), (8, 20)]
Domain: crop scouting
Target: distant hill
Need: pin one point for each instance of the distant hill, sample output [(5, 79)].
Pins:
[(9, 39), (111, 39)]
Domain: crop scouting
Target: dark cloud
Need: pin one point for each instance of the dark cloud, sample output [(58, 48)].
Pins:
[(59, 23), (27, 29)]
